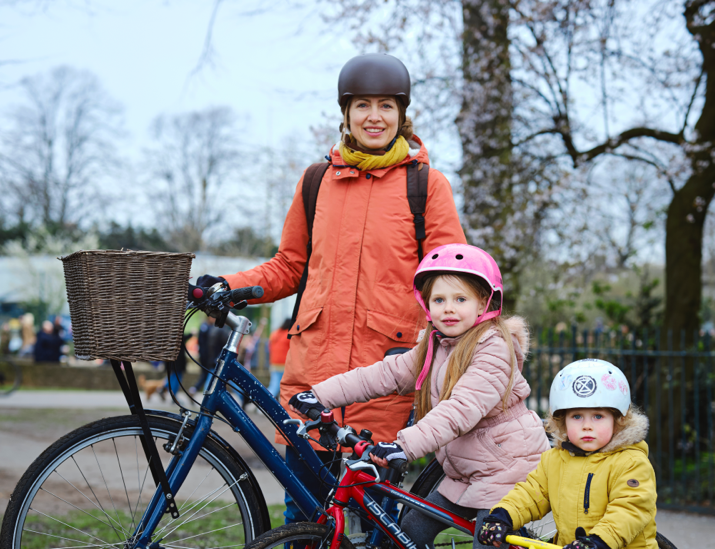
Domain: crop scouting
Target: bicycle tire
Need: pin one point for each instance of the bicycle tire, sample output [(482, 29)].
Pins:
[(91, 487), (298, 534), (10, 376)]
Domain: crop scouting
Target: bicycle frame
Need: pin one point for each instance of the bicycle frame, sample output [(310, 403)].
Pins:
[(353, 486), (217, 399)]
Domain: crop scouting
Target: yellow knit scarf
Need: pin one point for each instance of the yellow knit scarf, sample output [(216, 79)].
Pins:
[(365, 161)]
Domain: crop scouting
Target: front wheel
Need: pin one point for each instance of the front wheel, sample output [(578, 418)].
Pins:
[(91, 488), (296, 535)]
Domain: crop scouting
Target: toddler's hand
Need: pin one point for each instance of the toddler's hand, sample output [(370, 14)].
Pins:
[(583, 543), (493, 531)]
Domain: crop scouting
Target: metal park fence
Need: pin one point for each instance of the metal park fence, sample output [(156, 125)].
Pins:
[(671, 381)]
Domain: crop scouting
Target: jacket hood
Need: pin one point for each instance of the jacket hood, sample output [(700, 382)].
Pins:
[(517, 328), (417, 152), (634, 430)]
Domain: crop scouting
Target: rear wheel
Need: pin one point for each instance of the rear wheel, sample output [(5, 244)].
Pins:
[(91, 487)]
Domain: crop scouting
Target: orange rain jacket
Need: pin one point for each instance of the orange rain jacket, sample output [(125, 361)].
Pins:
[(358, 301)]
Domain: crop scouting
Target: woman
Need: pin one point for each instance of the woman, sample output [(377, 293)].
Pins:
[(358, 299)]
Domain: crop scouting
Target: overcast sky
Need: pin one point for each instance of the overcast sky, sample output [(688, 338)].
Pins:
[(278, 67)]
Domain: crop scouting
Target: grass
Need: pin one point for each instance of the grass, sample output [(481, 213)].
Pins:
[(79, 520)]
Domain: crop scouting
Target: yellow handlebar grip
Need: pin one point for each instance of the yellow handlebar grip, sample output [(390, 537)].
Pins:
[(530, 543)]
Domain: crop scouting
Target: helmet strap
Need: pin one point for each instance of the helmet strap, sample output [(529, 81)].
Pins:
[(487, 314), (428, 360)]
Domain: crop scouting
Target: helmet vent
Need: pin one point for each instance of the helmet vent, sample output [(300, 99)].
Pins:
[(459, 256), (435, 256)]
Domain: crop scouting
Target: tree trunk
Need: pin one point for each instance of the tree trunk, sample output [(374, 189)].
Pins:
[(484, 125), (688, 209)]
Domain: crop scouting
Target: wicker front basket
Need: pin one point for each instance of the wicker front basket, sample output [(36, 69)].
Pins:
[(127, 305)]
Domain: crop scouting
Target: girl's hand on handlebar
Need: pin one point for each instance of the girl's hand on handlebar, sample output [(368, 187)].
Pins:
[(384, 452)]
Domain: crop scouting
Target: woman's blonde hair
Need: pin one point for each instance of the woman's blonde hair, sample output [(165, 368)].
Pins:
[(405, 122), (463, 354)]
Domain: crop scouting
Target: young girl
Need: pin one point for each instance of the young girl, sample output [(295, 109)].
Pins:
[(469, 391), (598, 481)]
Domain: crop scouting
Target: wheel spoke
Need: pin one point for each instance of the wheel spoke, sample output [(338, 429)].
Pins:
[(104, 543), (106, 486), (190, 518), (98, 505), (126, 492), (69, 539)]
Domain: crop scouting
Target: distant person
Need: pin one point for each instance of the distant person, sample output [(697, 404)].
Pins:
[(48, 345), (278, 346), (211, 341), (58, 328), (27, 332), (175, 371)]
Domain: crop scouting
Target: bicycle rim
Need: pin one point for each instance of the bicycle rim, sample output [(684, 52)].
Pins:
[(90, 489)]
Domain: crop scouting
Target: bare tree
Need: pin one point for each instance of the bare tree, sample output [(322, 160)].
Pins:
[(541, 82), (194, 157), (56, 148)]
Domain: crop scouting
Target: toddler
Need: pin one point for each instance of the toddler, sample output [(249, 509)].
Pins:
[(598, 481)]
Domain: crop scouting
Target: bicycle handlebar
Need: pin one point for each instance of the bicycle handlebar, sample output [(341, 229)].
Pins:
[(351, 440), (530, 543), (242, 294)]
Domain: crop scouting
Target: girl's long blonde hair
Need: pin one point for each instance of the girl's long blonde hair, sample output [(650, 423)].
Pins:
[(463, 354)]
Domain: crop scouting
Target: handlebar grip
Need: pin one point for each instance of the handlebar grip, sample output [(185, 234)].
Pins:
[(250, 292), (399, 465), (313, 413)]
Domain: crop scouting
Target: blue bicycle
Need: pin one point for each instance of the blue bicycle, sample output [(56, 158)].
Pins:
[(96, 487)]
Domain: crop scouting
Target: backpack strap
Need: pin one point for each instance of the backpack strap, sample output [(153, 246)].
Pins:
[(311, 185), (417, 183)]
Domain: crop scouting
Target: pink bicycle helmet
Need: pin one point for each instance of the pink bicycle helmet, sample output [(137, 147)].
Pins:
[(461, 259), (458, 259)]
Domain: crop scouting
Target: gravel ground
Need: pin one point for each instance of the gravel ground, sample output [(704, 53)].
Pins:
[(31, 420)]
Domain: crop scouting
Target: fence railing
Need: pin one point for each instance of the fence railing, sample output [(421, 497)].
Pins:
[(671, 381)]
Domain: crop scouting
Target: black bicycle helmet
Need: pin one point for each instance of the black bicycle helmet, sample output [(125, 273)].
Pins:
[(374, 74)]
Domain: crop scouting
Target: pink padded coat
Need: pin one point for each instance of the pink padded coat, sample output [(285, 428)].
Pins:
[(483, 449)]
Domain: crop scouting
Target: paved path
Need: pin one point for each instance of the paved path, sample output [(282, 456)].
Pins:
[(31, 420)]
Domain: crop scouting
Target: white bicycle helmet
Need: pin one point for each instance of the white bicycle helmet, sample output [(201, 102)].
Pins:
[(590, 383)]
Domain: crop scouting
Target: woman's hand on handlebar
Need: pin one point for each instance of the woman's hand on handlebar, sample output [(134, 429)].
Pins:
[(207, 280), (302, 403)]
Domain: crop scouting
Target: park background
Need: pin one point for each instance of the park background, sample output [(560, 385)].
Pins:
[(578, 138)]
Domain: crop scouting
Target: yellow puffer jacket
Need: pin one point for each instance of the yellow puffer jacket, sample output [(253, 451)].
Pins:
[(610, 493)]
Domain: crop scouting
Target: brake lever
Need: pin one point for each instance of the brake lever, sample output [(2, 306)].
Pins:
[(304, 427), (362, 463)]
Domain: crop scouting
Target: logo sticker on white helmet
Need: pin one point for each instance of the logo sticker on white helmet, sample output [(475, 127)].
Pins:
[(609, 382), (584, 386)]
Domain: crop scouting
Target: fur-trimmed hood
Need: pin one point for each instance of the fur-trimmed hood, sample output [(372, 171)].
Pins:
[(634, 429)]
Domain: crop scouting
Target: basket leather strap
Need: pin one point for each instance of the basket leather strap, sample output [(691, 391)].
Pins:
[(128, 383)]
